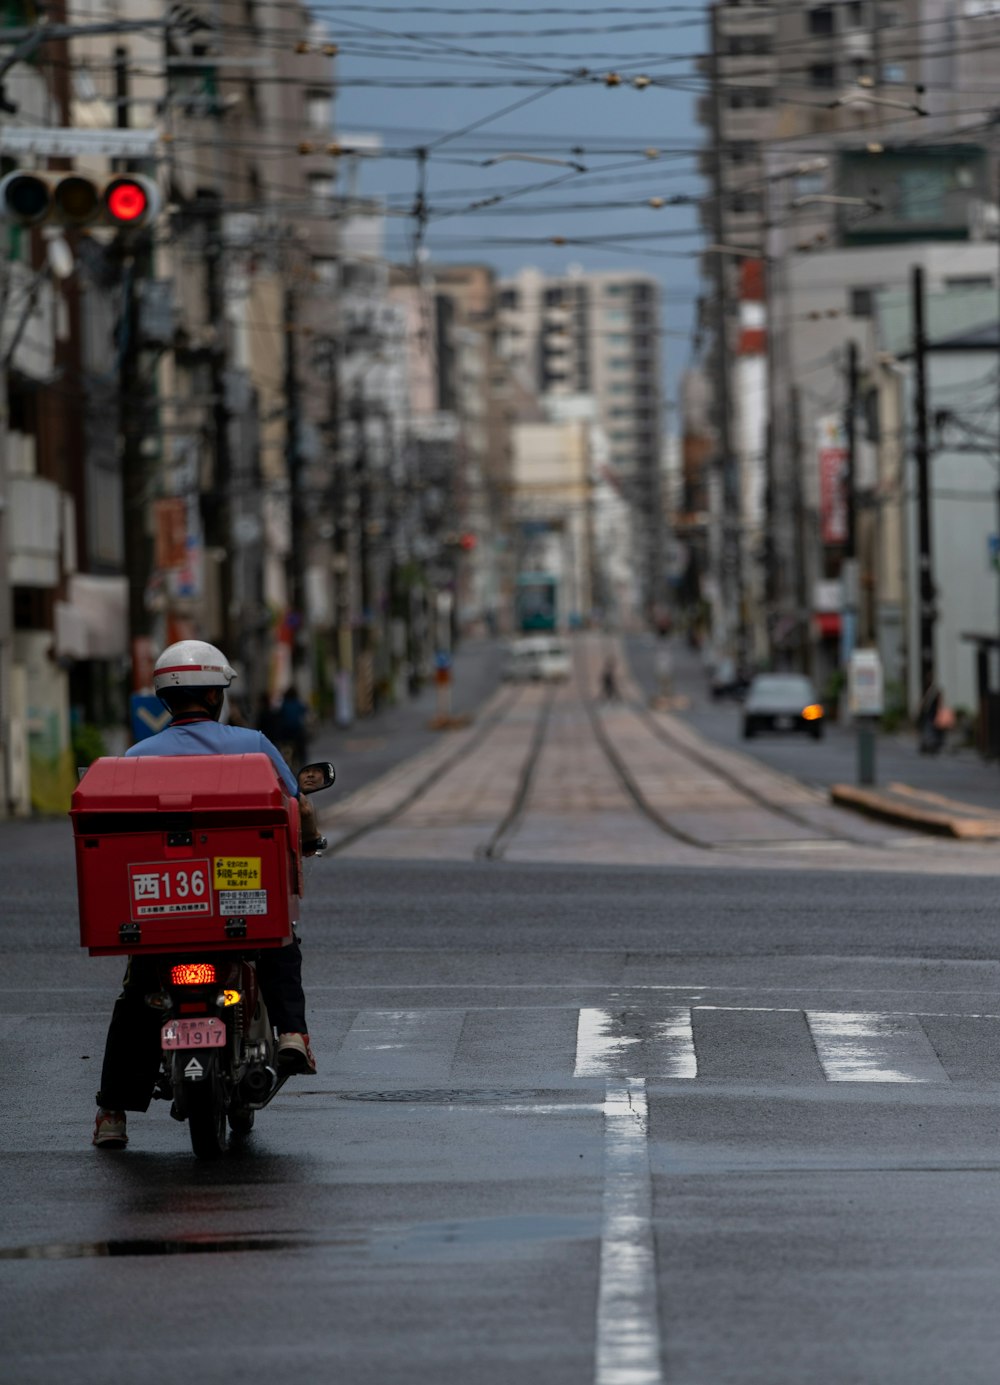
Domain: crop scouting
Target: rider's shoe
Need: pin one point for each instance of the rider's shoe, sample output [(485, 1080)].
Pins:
[(109, 1130), (295, 1055)]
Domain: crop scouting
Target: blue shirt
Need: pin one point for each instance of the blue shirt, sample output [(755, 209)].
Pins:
[(206, 737)]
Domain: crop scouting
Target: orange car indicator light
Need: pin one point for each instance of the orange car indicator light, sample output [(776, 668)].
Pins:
[(813, 712)]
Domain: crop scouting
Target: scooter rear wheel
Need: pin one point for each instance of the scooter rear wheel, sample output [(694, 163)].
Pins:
[(206, 1115), (240, 1119)]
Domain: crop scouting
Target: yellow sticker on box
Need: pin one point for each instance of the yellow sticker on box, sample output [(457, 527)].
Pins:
[(236, 872)]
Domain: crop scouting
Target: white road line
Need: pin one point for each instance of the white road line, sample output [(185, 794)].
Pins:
[(873, 1048), (628, 1333)]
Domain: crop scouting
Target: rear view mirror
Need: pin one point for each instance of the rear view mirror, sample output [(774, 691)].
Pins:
[(314, 777)]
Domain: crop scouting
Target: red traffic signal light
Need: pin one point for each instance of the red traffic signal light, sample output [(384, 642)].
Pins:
[(127, 200), (73, 199)]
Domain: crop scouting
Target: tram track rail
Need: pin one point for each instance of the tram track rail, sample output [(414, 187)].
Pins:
[(482, 731), (499, 840)]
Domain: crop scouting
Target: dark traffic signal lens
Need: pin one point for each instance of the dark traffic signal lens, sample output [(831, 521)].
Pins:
[(26, 198), (77, 200)]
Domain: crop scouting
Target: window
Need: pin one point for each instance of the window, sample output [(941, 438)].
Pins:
[(738, 45), (819, 21), (613, 289), (555, 298), (325, 269), (508, 298), (862, 302), (965, 282), (619, 363), (749, 98), (809, 184), (321, 188), (744, 152), (855, 14), (319, 110), (615, 314), (618, 338), (822, 75), (744, 202)]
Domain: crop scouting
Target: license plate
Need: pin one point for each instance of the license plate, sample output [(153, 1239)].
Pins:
[(783, 723), (206, 1033)]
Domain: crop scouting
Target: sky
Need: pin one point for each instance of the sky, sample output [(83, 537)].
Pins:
[(546, 67)]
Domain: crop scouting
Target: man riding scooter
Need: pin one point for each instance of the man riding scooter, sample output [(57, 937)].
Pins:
[(190, 678)]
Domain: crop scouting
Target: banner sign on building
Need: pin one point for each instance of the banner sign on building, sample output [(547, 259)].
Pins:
[(831, 447)]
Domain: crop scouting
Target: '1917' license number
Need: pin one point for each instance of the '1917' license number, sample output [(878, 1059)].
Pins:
[(206, 1033)]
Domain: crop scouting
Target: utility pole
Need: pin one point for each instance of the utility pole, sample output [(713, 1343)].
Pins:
[(849, 562), (298, 538), (218, 509), (732, 568), (928, 595), (798, 524)]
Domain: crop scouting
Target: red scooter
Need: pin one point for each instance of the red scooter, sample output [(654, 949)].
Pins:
[(206, 878)]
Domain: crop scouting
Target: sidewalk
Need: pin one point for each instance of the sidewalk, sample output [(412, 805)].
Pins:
[(953, 794)]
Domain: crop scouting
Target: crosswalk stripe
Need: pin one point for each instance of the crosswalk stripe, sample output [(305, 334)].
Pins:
[(873, 1048), (434, 1047), (604, 1047)]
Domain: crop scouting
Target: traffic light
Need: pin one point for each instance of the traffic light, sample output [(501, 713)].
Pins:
[(125, 200)]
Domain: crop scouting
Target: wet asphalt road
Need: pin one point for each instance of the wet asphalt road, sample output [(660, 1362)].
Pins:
[(685, 1124), (570, 1122)]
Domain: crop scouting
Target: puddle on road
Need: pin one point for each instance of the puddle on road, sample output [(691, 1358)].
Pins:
[(84, 1250), (407, 1241)]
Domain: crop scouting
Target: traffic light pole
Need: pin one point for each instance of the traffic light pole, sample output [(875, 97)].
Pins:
[(6, 594)]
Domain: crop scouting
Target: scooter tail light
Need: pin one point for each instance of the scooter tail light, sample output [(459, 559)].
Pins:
[(193, 974)]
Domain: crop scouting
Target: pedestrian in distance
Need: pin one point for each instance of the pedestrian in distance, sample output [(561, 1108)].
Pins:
[(609, 680), (929, 718), (266, 718), (293, 718)]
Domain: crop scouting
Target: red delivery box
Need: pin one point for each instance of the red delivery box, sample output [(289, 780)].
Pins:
[(185, 853)]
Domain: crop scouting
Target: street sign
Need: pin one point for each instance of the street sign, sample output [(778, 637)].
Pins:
[(147, 714), (68, 143)]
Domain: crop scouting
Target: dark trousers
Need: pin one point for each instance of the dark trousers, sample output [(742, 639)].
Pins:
[(132, 1050)]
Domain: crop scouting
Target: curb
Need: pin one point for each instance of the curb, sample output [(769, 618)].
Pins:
[(964, 825)]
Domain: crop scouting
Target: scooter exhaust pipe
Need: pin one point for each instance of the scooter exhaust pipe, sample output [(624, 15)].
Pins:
[(258, 1084)]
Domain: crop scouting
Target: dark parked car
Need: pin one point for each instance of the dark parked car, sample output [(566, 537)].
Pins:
[(782, 702)]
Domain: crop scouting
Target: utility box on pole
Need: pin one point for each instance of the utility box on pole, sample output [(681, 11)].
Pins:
[(866, 700), (865, 684)]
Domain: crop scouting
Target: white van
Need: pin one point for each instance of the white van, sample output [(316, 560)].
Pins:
[(539, 658)]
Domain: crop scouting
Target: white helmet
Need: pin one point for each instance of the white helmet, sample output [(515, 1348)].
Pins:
[(192, 664)]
